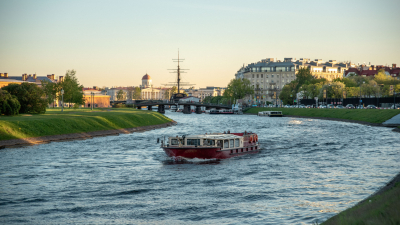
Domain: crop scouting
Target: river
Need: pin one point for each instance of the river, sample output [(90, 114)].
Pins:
[(307, 171)]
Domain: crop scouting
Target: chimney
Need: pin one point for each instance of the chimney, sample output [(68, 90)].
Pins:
[(34, 76), (393, 66), (60, 78), (24, 76), (373, 67), (49, 76), (6, 75), (1, 75), (52, 76)]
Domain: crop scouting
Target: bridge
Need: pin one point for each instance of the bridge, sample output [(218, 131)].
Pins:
[(186, 105)]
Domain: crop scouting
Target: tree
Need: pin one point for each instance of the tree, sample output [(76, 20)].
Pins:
[(72, 89), (382, 78), (238, 89), (50, 89), (169, 92), (137, 93), (9, 104), (120, 95), (30, 96)]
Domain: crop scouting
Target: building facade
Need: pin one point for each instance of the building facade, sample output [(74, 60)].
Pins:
[(201, 93), (269, 76)]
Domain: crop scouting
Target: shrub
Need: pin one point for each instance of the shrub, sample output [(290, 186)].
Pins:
[(9, 105), (29, 95)]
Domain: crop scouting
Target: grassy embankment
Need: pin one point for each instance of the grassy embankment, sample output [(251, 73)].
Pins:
[(365, 115), (55, 122), (379, 209)]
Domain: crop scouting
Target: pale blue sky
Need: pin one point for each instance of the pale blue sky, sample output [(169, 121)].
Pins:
[(114, 43)]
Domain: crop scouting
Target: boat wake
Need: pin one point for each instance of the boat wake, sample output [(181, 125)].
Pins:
[(183, 160)]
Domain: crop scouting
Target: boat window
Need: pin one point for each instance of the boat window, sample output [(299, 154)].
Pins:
[(236, 142), (193, 141), (208, 142), (231, 143), (174, 142), (226, 144)]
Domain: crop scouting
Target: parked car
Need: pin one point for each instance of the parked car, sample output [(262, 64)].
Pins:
[(339, 107), (397, 106), (371, 107), (360, 107), (308, 106), (350, 106), (330, 106), (322, 106), (302, 106)]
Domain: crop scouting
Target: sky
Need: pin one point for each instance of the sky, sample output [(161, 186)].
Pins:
[(115, 43)]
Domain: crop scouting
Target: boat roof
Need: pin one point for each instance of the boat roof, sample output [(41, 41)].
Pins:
[(214, 136)]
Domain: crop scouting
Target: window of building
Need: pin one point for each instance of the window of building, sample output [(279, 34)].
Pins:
[(257, 75), (265, 69), (267, 75), (272, 76), (280, 68), (261, 75), (253, 76)]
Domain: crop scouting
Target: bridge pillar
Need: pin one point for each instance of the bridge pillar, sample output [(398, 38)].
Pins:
[(149, 107), (161, 109), (198, 109), (139, 107), (186, 109)]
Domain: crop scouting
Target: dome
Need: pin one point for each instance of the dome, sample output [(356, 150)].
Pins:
[(146, 77)]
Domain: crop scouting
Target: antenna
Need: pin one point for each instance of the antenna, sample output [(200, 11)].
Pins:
[(178, 71)]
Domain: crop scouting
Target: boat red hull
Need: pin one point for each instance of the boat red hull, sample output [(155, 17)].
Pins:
[(209, 153)]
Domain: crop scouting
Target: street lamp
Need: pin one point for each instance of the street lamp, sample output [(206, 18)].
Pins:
[(360, 92), (62, 100), (92, 95)]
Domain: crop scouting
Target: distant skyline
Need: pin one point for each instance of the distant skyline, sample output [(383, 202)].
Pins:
[(115, 43)]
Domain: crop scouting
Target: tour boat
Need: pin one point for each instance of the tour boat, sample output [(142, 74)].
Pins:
[(212, 146), (271, 113)]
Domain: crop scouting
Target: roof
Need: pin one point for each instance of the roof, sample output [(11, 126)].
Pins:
[(146, 77), (29, 79), (214, 136), (369, 72)]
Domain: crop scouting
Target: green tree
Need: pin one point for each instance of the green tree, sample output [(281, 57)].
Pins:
[(238, 89), (120, 95), (72, 89), (137, 93), (50, 89), (169, 92), (30, 96), (9, 104), (382, 78)]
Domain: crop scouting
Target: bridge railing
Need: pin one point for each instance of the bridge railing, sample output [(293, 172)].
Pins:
[(182, 103)]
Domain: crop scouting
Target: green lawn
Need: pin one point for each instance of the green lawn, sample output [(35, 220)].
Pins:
[(55, 122), (379, 209), (366, 115)]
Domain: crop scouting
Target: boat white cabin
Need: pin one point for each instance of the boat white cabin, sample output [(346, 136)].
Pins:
[(224, 141), (271, 113)]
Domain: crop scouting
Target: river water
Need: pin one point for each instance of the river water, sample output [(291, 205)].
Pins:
[(308, 170)]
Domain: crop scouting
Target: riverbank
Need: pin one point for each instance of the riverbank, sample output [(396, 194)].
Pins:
[(362, 116), (76, 124), (382, 207)]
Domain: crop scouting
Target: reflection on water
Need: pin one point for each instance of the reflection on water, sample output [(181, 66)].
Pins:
[(307, 170)]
